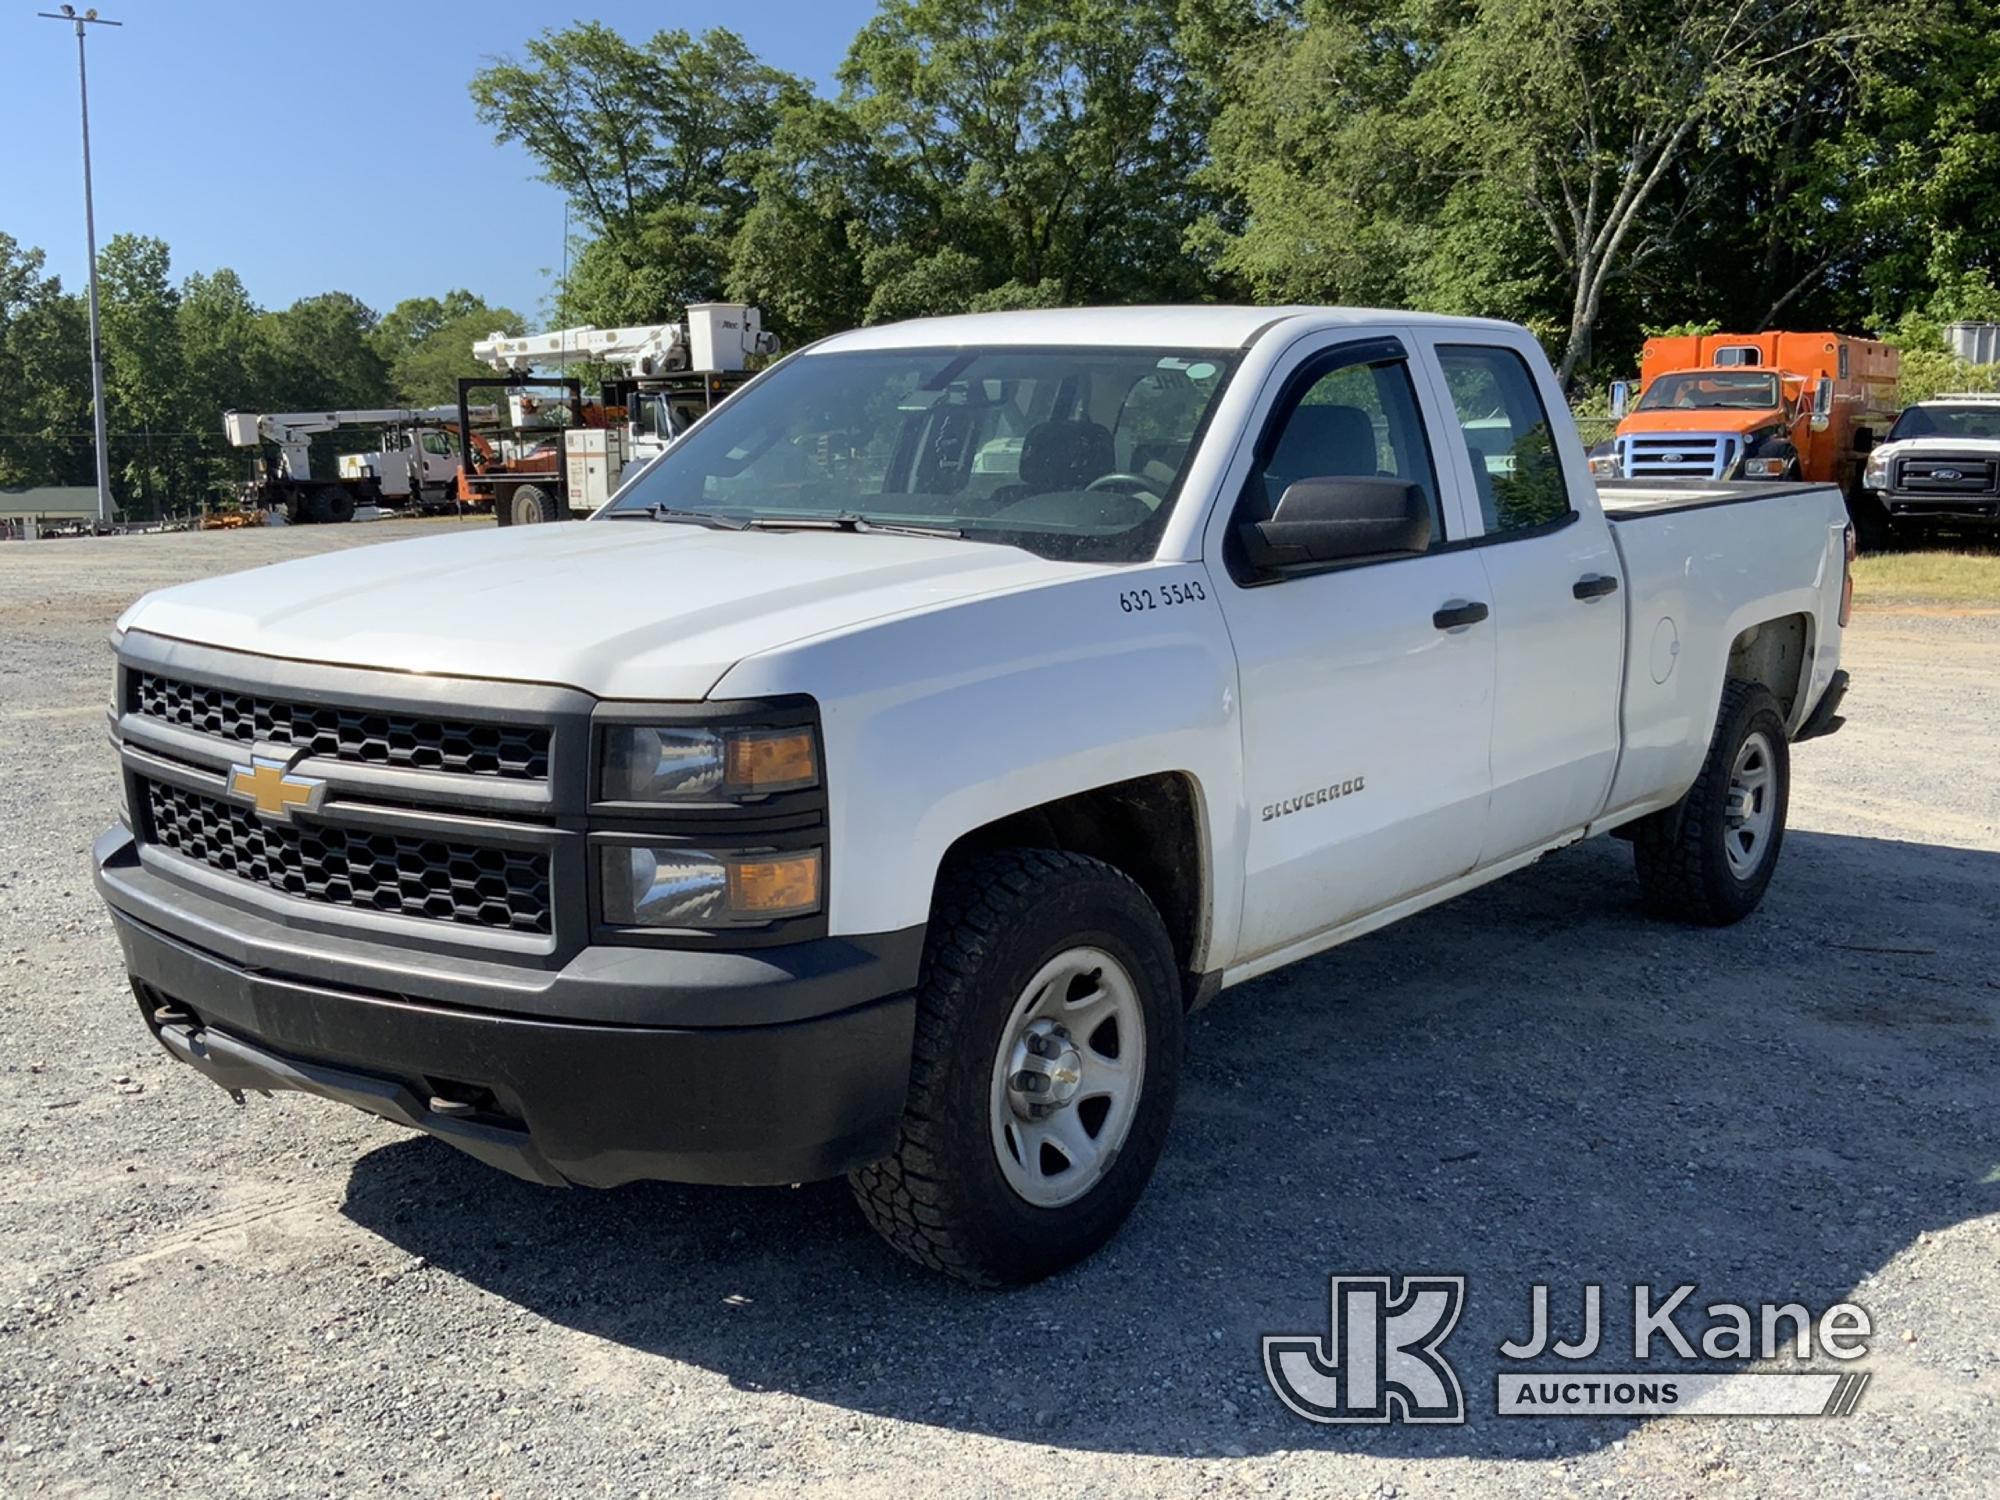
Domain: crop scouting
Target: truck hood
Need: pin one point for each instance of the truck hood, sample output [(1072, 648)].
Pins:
[(622, 609), (1940, 447), (1699, 419)]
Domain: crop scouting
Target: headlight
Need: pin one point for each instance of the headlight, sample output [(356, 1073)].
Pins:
[(675, 886), (1604, 462), (1875, 473), (1765, 468), (691, 763)]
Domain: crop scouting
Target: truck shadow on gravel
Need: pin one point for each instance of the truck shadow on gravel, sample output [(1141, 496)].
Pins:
[(1534, 1084)]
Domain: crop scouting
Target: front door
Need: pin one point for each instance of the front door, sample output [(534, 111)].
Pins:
[(1365, 710)]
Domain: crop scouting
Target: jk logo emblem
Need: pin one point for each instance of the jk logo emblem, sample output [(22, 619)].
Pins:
[(1379, 1361)]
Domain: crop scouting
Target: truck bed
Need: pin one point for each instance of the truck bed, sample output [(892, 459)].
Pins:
[(1626, 498), (1704, 565)]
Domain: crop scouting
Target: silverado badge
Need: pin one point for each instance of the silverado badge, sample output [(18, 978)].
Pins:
[(273, 790)]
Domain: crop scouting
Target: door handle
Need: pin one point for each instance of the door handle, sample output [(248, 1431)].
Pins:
[(1596, 586), (1458, 614)]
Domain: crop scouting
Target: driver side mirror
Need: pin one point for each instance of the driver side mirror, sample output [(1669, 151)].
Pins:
[(1822, 406), (1621, 392), (1339, 519)]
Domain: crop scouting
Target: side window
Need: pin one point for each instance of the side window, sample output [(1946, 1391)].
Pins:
[(1515, 464), (1843, 361), (1349, 418)]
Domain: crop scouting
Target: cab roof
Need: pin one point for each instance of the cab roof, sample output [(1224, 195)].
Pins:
[(1170, 327)]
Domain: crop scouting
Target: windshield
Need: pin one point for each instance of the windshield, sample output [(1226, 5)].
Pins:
[(1701, 390), (1981, 421), (1070, 452)]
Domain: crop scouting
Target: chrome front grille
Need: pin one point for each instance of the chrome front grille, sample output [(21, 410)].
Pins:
[(362, 736), (1678, 455), (1930, 474), (452, 802), (442, 880)]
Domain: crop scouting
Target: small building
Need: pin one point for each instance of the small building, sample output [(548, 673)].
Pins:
[(1975, 343), (34, 508)]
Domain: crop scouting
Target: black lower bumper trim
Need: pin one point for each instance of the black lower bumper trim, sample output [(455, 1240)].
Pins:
[(1825, 718), (238, 1066), (1935, 507), (552, 1101)]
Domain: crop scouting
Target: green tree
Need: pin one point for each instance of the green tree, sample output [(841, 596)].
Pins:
[(143, 368), (227, 363), (1024, 151), (428, 341), (656, 144), (322, 355), (45, 396), (1533, 152), (1904, 187), (798, 256)]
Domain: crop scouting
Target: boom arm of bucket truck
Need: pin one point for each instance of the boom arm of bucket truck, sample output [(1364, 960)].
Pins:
[(717, 336)]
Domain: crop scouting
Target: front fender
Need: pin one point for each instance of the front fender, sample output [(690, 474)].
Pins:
[(942, 721)]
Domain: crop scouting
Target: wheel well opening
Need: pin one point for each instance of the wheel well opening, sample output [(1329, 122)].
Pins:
[(1774, 653), (1148, 827)]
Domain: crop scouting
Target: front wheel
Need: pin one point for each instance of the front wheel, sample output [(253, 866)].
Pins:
[(1708, 858), (1043, 1075)]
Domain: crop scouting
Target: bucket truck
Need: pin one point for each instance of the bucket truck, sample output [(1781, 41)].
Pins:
[(288, 484), (668, 374)]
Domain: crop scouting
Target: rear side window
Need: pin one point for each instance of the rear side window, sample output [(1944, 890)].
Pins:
[(1515, 464), (1346, 417)]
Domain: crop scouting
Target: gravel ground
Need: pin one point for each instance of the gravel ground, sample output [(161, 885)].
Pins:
[(1534, 1084)]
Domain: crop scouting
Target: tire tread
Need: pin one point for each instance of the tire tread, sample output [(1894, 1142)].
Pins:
[(905, 1197), (1670, 848)]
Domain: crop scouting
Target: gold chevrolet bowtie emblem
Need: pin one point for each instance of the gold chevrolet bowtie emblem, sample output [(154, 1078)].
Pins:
[(273, 790)]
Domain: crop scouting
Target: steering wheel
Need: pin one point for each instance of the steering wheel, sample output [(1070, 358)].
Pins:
[(1135, 485)]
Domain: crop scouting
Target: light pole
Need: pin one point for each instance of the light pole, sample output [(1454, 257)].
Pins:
[(91, 17)]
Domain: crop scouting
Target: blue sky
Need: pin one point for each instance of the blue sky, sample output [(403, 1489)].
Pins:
[(319, 147)]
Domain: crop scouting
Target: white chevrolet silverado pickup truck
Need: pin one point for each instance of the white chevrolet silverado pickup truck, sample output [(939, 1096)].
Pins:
[(875, 783)]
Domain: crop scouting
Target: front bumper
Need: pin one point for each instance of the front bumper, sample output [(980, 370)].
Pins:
[(775, 1065), (1825, 718), (1931, 505)]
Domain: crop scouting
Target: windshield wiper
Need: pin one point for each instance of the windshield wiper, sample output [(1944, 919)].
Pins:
[(848, 520), (708, 518)]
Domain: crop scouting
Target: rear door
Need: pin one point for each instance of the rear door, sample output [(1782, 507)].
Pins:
[(1365, 720), (1552, 573)]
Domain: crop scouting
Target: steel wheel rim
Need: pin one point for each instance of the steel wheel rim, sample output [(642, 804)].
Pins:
[(1752, 805), (1067, 1077)]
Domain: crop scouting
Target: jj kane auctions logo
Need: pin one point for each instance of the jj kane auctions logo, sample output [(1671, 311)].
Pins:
[(1382, 1358)]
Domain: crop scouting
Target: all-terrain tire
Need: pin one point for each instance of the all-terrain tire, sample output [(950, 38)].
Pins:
[(1682, 853), (942, 1197)]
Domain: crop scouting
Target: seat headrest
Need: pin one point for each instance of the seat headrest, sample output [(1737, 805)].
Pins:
[(1325, 440), (1065, 455)]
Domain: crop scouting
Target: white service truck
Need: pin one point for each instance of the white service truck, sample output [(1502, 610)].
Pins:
[(1940, 464), (875, 783), (288, 484)]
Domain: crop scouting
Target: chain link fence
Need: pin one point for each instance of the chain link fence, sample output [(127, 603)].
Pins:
[(155, 476)]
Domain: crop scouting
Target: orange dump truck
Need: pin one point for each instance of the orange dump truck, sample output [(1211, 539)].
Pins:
[(1800, 406)]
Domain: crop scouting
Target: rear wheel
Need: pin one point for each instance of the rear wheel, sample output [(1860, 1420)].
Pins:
[(1708, 858), (334, 502), (1043, 1075), (530, 505)]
